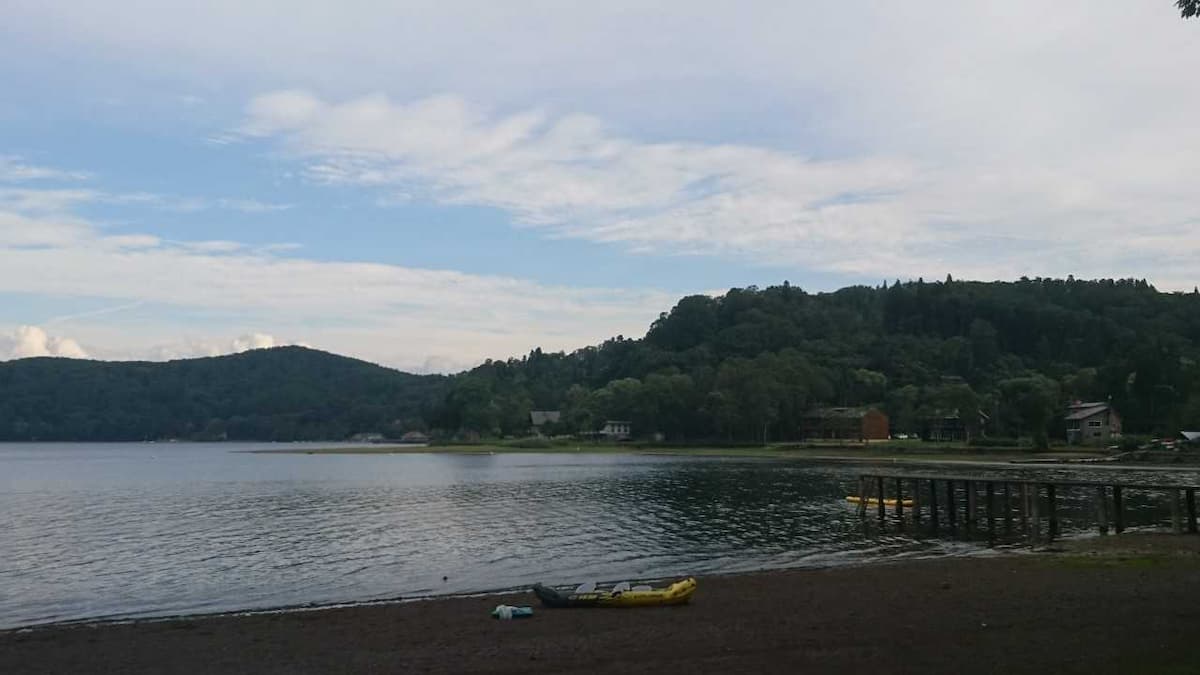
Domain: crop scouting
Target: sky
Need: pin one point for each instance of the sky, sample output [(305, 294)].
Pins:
[(426, 185)]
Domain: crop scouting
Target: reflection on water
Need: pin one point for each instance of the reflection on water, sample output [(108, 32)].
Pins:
[(128, 530)]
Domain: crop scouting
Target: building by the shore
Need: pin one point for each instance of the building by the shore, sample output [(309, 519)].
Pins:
[(539, 420), (953, 426), (414, 437), (845, 424), (617, 430), (1092, 423)]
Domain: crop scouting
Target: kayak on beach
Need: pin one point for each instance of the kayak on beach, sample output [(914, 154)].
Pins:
[(874, 501), (617, 595)]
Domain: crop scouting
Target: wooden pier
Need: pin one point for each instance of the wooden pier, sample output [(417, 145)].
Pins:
[(943, 501)]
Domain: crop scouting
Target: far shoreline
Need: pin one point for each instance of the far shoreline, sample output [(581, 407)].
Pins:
[(950, 455)]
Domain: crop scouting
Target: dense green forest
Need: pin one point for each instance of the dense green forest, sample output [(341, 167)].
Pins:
[(748, 364), (286, 393), (744, 366)]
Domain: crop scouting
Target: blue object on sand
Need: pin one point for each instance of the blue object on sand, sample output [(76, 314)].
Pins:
[(510, 612)]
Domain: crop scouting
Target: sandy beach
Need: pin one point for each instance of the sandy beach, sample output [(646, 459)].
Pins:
[(1106, 609)]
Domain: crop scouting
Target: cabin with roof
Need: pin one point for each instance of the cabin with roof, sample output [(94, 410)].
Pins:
[(1092, 423), (538, 419), (414, 437), (845, 424), (951, 425)]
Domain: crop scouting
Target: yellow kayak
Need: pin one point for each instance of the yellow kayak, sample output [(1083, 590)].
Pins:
[(874, 501), (618, 595)]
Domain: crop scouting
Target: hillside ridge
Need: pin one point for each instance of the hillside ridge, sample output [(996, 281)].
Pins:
[(743, 366)]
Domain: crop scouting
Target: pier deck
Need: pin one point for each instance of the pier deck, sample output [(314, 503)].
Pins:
[(979, 504)]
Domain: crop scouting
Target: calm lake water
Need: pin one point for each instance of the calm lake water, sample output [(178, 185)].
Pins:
[(140, 530)]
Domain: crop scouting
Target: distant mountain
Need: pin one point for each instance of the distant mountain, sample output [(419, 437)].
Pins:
[(285, 393)]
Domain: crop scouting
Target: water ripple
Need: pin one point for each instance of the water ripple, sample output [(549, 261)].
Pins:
[(100, 532)]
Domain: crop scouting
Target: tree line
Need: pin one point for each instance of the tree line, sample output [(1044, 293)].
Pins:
[(749, 364), (745, 366)]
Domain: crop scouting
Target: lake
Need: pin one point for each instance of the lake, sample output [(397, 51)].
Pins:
[(120, 531)]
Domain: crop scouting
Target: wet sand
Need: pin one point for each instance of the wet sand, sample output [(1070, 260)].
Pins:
[(1115, 612)]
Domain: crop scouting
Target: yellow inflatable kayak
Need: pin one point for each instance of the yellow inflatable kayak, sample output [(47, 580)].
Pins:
[(617, 595), (874, 501)]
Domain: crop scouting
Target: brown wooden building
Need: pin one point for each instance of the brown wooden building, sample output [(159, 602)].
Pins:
[(847, 424), (1095, 423), (950, 425)]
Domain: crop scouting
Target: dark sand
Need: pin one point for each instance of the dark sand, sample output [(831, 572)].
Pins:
[(1118, 612)]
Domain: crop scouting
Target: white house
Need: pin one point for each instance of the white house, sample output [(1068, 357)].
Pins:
[(617, 430)]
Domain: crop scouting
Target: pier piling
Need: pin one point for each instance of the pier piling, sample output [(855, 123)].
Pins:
[(1032, 508), (933, 507), (989, 509), (1191, 510), (1024, 507), (1176, 519), (1118, 511), (882, 506), (1007, 509), (951, 508), (1102, 510), (972, 508), (1035, 519), (1051, 512), (915, 486)]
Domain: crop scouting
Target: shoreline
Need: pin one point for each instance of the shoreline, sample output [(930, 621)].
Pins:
[(968, 455), (1158, 545), (104, 621), (849, 456), (1123, 605)]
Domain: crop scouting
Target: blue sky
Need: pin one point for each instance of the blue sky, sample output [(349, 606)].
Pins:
[(426, 185)]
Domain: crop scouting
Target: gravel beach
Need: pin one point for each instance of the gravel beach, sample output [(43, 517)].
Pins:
[(1114, 612)]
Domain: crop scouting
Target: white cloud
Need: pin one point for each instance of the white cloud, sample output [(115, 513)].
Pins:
[(213, 246), (875, 140), (985, 139), (29, 341), (418, 319), (13, 169), (874, 216), (43, 200), (254, 341), (40, 200), (250, 205), (189, 204), (190, 348)]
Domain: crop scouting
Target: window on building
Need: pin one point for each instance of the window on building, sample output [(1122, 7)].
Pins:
[(1094, 423)]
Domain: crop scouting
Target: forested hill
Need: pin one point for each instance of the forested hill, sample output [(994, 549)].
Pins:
[(749, 364), (286, 393), (743, 366)]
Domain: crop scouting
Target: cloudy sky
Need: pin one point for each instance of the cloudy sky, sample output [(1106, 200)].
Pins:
[(428, 184)]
